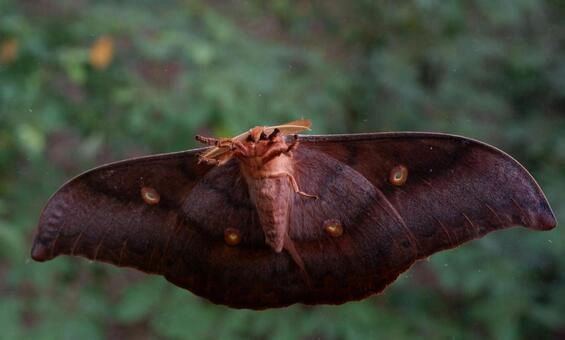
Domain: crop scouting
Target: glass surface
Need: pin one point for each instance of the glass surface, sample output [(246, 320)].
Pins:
[(83, 83)]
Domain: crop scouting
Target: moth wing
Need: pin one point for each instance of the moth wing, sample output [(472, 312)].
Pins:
[(455, 190), (461, 180), (452, 190), (103, 214), (293, 127), (178, 231)]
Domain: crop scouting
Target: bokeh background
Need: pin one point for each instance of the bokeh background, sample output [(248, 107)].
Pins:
[(87, 82)]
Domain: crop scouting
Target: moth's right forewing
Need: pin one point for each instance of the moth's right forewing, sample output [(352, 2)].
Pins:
[(127, 213)]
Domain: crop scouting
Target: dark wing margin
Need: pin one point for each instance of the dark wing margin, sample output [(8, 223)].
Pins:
[(102, 215), (457, 189)]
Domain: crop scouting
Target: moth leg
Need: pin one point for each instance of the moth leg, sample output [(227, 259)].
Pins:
[(230, 148), (237, 145), (231, 145), (226, 143), (294, 184), (297, 190), (218, 161), (234, 145), (272, 153), (293, 145), (274, 134)]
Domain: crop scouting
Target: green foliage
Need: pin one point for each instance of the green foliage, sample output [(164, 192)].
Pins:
[(82, 83)]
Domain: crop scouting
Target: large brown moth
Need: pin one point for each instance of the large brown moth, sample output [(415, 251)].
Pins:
[(270, 218)]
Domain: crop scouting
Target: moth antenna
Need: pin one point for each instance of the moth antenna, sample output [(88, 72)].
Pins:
[(207, 140), (293, 144)]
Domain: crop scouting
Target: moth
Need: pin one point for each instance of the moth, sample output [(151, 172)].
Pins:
[(270, 218)]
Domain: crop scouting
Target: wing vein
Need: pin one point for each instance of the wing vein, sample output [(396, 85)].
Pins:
[(445, 230), (77, 239), (54, 243), (477, 229), (523, 216), (395, 214), (494, 213), (122, 250), (102, 238)]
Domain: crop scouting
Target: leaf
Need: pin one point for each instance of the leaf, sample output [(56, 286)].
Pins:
[(12, 243), (183, 316), (10, 322), (102, 52), (139, 300), (9, 50)]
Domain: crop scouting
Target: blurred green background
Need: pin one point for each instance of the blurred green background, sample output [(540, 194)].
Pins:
[(84, 82)]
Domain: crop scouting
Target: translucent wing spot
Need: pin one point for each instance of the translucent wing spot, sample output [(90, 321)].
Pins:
[(398, 175), (150, 195), (232, 236), (333, 228)]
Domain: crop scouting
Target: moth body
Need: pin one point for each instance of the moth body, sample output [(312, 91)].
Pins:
[(386, 201), (269, 190), (266, 164), (272, 199)]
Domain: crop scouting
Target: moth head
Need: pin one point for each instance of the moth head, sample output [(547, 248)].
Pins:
[(262, 134), (254, 135)]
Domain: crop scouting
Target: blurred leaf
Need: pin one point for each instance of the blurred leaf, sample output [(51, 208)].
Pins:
[(9, 50), (10, 313), (139, 300), (12, 243), (182, 316), (31, 139), (101, 52)]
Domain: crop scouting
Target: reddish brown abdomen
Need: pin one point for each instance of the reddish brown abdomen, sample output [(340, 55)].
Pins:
[(272, 198)]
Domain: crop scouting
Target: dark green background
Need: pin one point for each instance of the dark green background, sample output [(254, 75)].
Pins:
[(491, 70)]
